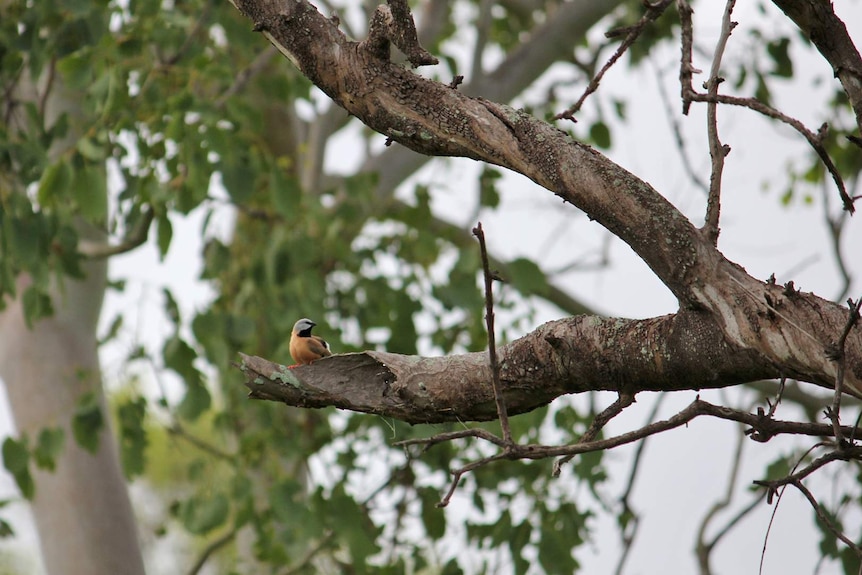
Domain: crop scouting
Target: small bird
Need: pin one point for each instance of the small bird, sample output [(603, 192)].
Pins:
[(304, 347)]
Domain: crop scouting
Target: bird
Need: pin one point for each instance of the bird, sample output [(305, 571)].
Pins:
[(304, 347)]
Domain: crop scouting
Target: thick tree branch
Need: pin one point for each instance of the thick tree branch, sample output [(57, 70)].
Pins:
[(818, 21), (784, 329), (675, 352)]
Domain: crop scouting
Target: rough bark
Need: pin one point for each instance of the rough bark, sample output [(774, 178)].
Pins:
[(779, 330)]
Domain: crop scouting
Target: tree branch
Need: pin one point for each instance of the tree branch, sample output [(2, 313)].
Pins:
[(717, 151), (780, 328), (818, 21), (136, 237)]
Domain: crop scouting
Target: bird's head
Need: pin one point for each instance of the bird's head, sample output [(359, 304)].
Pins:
[(303, 327)]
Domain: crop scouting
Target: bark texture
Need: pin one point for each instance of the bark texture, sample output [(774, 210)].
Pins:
[(737, 328)]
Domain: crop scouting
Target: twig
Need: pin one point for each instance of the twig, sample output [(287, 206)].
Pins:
[(835, 225), (761, 426), (309, 555), (179, 431), (686, 69), (623, 401), (702, 548), (774, 406), (824, 518), (837, 354), (717, 151), (492, 341), (256, 67), (815, 140), (653, 11), (136, 237), (836, 455), (769, 496), (212, 548), (628, 537), (676, 128), (46, 92)]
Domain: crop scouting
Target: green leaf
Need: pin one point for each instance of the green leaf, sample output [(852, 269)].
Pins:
[(600, 134), (238, 178), (171, 307), (54, 183), (91, 150), (196, 401), (49, 445), (133, 436), (89, 188), (165, 234), (6, 530), (180, 356), (203, 513), (779, 52), (489, 195), (88, 421), (113, 330), (16, 458), (77, 69), (36, 304), (527, 277), (433, 517)]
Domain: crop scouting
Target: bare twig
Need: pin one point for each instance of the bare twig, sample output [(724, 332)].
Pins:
[(770, 493), (686, 69), (836, 353), (813, 139), (623, 401), (242, 79), (179, 431), (309, 555), (653, 11), (677, 130), (492, 340), (704, 548), (46, 91), (214, 546), (835, 455), (824, 518), (717, 151), (628, 533), (762, 427)]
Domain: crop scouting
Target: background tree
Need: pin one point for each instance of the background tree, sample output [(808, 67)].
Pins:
[(185, 109)]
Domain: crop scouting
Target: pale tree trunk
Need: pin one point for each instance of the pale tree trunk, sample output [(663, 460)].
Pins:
[(82, 510)]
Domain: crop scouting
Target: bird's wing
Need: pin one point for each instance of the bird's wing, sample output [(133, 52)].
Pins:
[(319, 346)]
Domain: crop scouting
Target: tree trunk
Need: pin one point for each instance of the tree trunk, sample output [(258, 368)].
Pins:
[(82, 510)]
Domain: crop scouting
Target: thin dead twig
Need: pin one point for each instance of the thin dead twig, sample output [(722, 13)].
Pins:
[(492, 340), (836, 353), (717, 151), (653, 11), (824, 518), (628, 535), (686, 69), (623, 401)]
